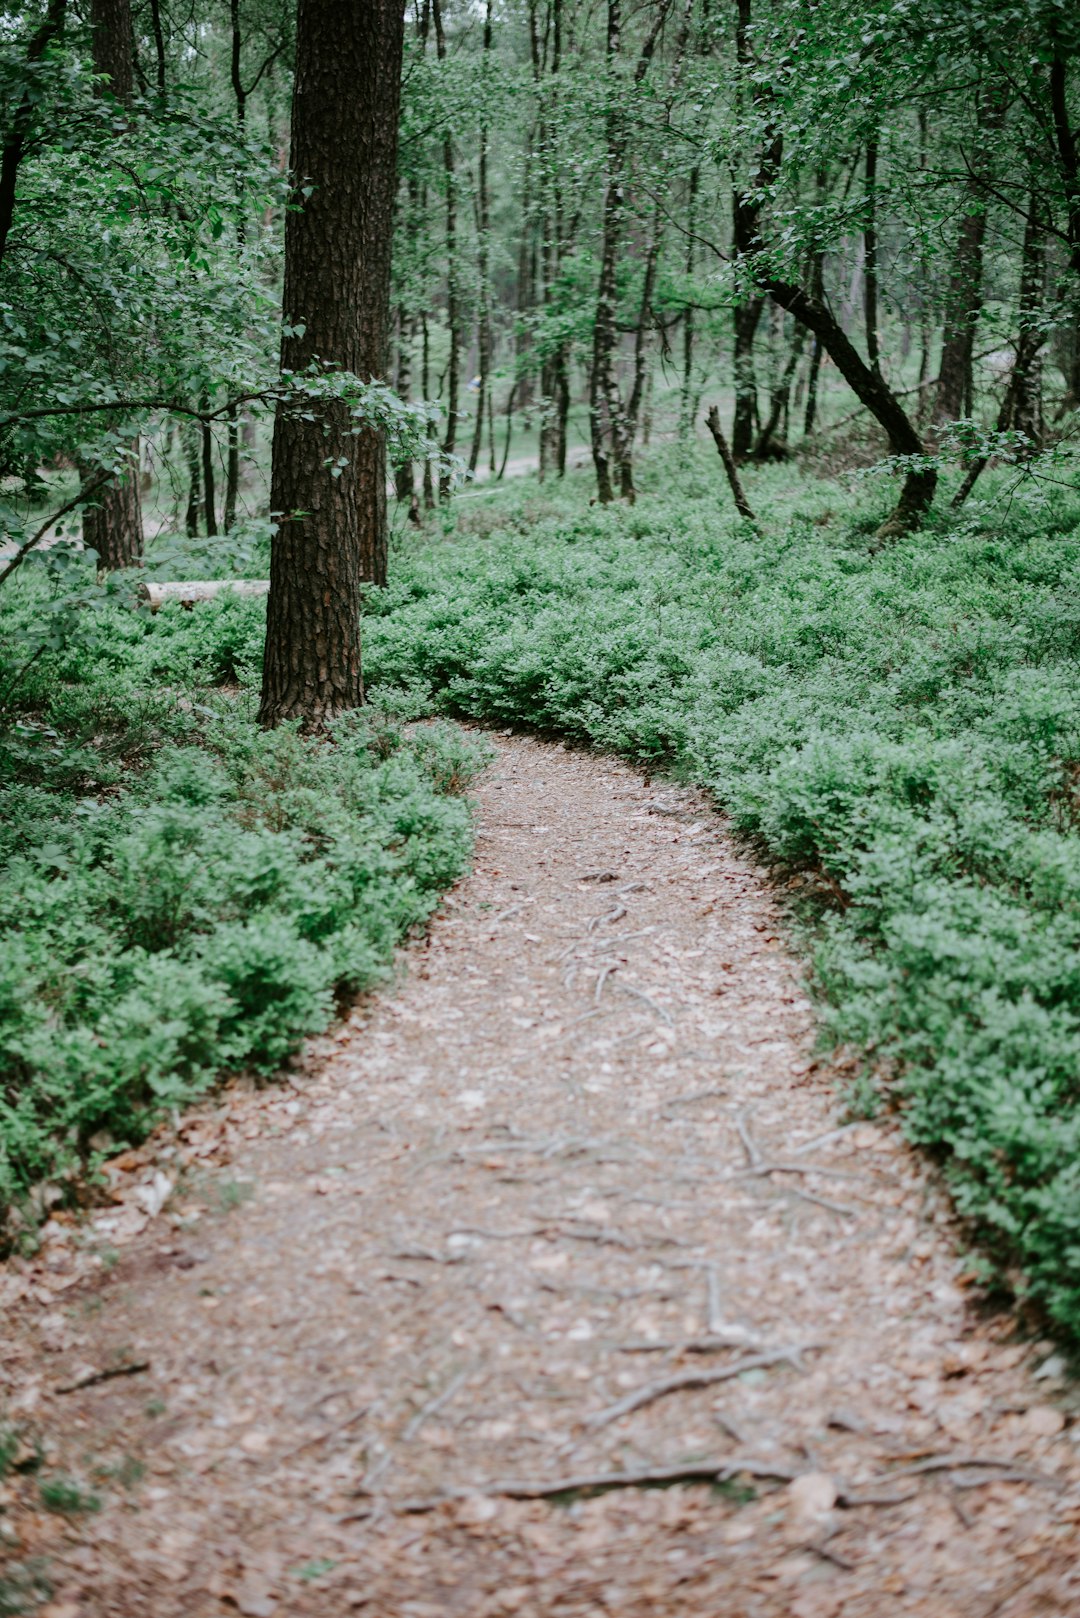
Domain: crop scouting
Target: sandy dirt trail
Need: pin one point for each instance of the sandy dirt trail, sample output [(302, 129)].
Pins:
[(574, 1200)]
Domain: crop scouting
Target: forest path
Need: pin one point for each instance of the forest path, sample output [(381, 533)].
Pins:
[(583, 1150)]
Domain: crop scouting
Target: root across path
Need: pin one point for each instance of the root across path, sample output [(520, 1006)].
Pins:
[(555, 1284)]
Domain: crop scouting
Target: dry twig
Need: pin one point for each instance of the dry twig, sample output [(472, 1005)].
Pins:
[(695, 1379)]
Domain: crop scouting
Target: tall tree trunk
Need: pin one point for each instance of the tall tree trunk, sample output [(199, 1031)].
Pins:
[(113, 46), (686, 392), (633, 406), (870, 259), (404, 473), (190, 439), (746, 207), (114, 528), (483, 254), (603, 394), (453, 295), (209, 486), (604, 387), (963, 303), (1022, 405), (159, 43), (1068, 156), (964, 294), (1027, 415), (332, 530), (425, 386)]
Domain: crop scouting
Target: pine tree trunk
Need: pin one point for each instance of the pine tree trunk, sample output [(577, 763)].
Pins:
[(113, 46), (332, 530), (113, 518), (113, 525)]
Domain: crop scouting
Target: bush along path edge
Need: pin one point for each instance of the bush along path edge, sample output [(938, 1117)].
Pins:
[(184, 896)]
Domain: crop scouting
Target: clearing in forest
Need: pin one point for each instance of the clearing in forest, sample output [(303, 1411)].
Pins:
[(576, 1204)]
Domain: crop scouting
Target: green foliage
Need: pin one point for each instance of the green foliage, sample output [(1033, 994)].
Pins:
[(903, 727), (67, 1498), (181, 894)]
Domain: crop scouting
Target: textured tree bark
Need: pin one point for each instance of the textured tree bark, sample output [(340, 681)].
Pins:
[(332, 530), (112, 519), (112, 526), (114, 46)]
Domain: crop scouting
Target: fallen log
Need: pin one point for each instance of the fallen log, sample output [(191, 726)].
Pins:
[(188, 591)]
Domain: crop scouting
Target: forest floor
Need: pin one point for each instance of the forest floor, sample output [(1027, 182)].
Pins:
[(575, 1199)]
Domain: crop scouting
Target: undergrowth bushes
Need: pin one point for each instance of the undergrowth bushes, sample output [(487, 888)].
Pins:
[(182, 895), (903, 726)]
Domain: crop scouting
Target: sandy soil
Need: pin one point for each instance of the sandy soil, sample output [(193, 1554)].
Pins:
[(575, 1201)]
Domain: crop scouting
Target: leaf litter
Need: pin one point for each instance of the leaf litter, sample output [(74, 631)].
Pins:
[(392, 1320)]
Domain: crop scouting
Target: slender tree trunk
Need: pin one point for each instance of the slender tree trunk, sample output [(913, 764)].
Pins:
[(1021, 407), (917, 493), (425, 384), (686, 395), (870, 259), (332, 530), (404, 473), (1068, 156), (159, 43), (731, 470), (189, 440), (963, 303), (746, 205), (1027, 415), (604, 387), (603, 391), (483, 254), (765, 448), (453, 296), (633, 407), (209, 490)]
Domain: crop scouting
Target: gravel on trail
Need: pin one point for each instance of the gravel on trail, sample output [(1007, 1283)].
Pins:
[(553, 1283)]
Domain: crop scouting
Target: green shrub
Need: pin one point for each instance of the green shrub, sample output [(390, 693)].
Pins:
[(182, 895)]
